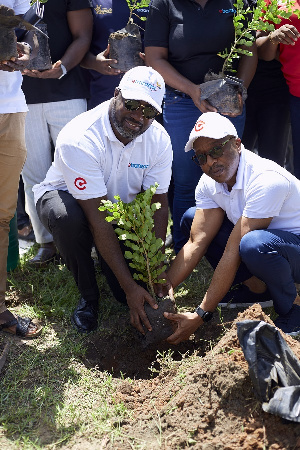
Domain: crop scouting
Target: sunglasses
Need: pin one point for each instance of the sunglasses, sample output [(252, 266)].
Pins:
[(149, 112), (215, 152)]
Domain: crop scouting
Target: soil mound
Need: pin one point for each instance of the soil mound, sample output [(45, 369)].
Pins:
[(204, 403)]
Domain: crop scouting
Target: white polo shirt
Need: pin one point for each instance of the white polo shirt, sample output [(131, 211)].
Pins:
[(12, 99), (263, 189), (91, 162)]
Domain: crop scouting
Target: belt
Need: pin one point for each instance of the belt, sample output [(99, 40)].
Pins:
[(177, 92)]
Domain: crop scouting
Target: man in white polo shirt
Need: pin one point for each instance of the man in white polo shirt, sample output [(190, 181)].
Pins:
[(247, 224), (115, 148)]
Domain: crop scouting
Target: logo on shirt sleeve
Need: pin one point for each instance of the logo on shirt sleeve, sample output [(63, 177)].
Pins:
[(80, 183)]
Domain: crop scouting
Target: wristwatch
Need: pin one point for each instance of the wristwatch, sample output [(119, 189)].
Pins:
[(64, 71), (206, 316)]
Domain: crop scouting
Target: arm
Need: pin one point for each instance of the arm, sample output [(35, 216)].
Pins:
[(81, 24), (100, 63), (107, 243), (221, 281), (268, 44), (27, 50), (205, 226), (157, 57), (247, 65)]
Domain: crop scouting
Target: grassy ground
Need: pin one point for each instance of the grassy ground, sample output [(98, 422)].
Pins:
[(49, 398)]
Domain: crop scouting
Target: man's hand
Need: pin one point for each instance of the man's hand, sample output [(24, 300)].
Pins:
[(135, 300), (103, 63), (165, 288), (15, 64), (187, 324), (54, 72)]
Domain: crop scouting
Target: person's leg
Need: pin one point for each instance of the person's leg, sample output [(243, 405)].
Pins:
[(62, 216), (64, 219), (180, 115), (12, 157), (216, 248), (43, 123), (273, 256), (295, 120)]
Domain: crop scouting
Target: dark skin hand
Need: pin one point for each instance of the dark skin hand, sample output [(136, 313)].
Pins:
[(80, 23), (19, 63)]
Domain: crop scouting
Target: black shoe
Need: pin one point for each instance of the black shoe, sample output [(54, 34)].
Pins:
[(46, 253), (85, 316)]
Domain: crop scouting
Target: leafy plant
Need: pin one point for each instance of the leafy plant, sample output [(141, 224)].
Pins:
[(248, 20), (32, 2), (136, 225), (133, 5)]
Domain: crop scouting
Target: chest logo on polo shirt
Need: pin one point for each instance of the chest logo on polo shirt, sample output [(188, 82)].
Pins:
[(227, 11), (80, 183), (100, 10), (138, 166), (199, 125)]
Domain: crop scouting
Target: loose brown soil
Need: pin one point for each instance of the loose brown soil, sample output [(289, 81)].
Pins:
[(207, 403)]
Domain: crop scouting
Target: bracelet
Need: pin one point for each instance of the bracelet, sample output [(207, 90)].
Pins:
[(271, 39)]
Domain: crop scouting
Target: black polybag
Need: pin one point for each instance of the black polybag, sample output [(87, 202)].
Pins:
[(273, 368)]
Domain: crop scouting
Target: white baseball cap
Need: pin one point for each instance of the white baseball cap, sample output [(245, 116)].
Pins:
[(211, 125), (143, 83)]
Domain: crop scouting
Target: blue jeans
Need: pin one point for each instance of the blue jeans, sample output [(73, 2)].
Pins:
[(179, 116), (295, 121), (273, 256)]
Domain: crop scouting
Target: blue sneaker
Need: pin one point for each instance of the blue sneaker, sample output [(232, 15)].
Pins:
[(290, 322), (240, 296)]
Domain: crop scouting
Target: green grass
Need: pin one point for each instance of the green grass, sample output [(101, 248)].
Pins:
[(49, 398)]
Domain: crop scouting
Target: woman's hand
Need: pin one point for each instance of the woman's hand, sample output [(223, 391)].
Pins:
[(287, 35)]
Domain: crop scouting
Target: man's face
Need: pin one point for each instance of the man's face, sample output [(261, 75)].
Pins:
[(222, 169), (127, 125)]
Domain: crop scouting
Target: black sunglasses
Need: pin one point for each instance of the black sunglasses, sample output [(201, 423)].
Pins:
[(215, 152), (149, 112)]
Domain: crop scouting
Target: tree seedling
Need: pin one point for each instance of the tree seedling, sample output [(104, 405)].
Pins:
[(248, 20), (136, 228)]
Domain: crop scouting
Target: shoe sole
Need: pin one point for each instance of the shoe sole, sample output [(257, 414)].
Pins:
[(266, 304)]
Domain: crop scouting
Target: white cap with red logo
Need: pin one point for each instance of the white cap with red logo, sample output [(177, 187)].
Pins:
[(211, 125), (143, 83)]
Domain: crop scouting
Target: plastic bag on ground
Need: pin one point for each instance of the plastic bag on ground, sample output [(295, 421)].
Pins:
[(273, 368)]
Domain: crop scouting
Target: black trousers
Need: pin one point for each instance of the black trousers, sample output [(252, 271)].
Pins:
[(60, 213)]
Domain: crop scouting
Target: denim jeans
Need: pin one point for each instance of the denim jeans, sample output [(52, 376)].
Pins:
[(179, 116), (295, 121), (273, 256)]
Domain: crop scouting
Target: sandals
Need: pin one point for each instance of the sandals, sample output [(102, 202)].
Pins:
[(22, 327)]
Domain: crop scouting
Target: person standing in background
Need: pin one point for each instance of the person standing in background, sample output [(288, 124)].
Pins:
[(12, 156), (109, 16), (54, 97), (182, 42)]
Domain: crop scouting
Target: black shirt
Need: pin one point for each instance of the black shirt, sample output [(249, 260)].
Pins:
[(74, 84), (193, 35)]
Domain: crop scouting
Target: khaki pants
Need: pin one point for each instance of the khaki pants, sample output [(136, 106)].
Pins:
[(12, 158)]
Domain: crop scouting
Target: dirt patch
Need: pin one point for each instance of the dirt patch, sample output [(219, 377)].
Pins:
[(209, 405)]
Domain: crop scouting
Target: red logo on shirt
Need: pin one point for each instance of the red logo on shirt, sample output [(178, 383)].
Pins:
[(199, 125), (80, 183)]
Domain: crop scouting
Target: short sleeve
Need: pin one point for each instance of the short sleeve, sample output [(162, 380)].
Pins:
[(75, 5), (160, 171), (157, 25), (266, 195), (203, 199), (82, 171)]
